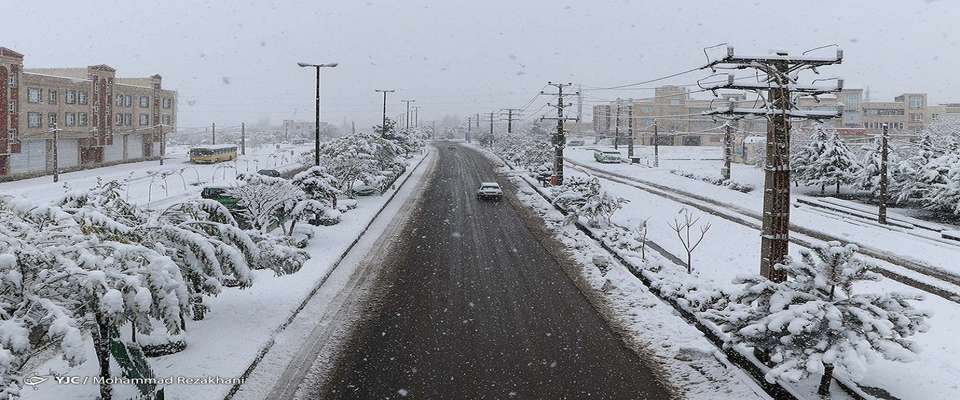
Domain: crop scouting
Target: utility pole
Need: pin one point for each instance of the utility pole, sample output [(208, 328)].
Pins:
[(616, 135), (213, 132), (56, 162), (384, 123), (656, 146), (510, 115), (782, 72), (559, 140), (630, 129), (727, 151), (491, 129), (286, 134), (408, 111), (353, 127), (882, 207), (433, 129), (469, 124), (243, 138), (478, 120)]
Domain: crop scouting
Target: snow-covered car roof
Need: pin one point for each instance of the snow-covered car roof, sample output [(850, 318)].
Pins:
[(489, 184)]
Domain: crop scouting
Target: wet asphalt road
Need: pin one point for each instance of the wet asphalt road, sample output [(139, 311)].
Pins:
[(472, 306)]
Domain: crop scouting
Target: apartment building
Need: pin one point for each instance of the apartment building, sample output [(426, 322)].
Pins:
[(98, 118), (679, 120)]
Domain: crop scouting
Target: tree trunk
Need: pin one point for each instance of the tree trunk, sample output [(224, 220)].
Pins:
[(101, 345), (822, 188), (689, 264), (824, 388), (838, 188)]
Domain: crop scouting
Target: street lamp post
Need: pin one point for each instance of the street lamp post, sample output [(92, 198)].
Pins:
[(55, 130), (316, 147)]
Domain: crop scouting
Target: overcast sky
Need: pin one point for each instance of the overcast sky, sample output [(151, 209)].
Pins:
[(235, 60)]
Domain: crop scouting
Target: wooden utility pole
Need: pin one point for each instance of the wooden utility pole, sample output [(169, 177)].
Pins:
[(408, 111), (781, 70), (213, 133), (882, 207), (491, 129), (383, 125), (469, 125), (243, 138), (511, 112), (559, 140), (616, 134), (656, 145), (56, 159), (630, 129), (727, 151)]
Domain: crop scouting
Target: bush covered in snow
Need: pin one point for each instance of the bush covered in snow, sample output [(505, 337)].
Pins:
[(92, 263), (815, 322), (714, 180), (824, 161), (584, 197), (527, 149)]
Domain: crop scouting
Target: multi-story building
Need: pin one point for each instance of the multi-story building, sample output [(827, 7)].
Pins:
[(97, 118), (679, 120)]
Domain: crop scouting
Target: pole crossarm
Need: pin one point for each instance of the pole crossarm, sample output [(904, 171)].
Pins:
[(792, 87), (765, 112), (740, 62)]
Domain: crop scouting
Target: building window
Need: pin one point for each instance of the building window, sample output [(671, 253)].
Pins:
[(167, 103), (51, 96), (34, 95), (12, 132), (12, 81), (127, 119), (51, 120), (118, 101), (12, 107), (127, 101), (166, 119), (70, 119), (916, 117), (915, 102), (118, 121), (82, 119), (70, 97), (144, 119), (82, 97), (144, 101), (33, 120)]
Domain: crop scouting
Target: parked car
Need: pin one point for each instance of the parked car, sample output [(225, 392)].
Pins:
[(608, 156), (489, 191), (219, 194), (269, 172), (364, 190), (575, 142)]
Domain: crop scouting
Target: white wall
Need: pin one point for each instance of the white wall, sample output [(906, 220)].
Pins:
[(135, 146), (68, 153), (32, 157), (114, 152)]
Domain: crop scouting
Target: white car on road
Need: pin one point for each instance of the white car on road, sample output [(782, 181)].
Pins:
[(489, 191)]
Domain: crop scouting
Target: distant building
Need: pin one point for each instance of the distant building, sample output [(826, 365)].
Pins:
[(101, 119), (679, 118)]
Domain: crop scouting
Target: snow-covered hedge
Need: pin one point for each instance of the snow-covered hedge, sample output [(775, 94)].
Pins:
[(91, 263), (727, 183)]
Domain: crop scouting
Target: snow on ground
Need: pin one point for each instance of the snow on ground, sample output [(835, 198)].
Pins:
[(732, 249), (145, 184), (240, 322), (704, 161)]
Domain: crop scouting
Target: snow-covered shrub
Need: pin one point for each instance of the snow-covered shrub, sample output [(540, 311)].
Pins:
[(825, 161), (815, 322), (318, 185), (526, 149), (728, 183)]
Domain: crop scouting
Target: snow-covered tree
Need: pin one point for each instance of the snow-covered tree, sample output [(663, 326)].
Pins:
[(826, 160), (318, 185), (815, 322)]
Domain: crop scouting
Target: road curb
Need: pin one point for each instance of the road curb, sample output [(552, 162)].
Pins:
[(273, 336)]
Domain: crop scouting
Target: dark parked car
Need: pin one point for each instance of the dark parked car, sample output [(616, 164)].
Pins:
[(269, 172)]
